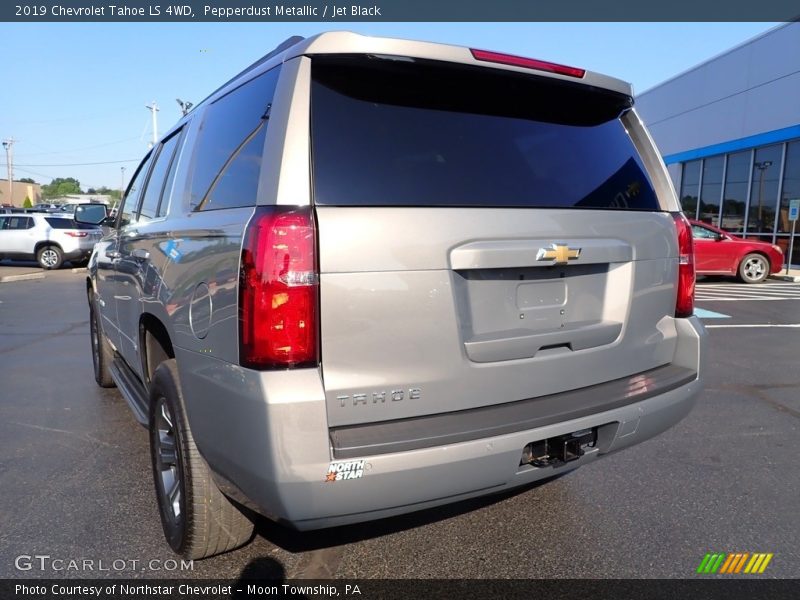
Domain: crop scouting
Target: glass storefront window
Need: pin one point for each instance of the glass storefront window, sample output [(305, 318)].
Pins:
[(764, 189), (711, 191), (791, 186), (737, 176), (690, 183)]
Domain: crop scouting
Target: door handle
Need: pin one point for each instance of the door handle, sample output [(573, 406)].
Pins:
[(140, 254)]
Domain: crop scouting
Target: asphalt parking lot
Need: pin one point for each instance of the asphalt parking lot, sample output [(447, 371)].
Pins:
[(76, 484)]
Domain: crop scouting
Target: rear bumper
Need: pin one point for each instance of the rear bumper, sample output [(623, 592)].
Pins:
[(78, 254), (270, 446)]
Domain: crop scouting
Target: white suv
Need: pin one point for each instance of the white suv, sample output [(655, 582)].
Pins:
[(50, 239)]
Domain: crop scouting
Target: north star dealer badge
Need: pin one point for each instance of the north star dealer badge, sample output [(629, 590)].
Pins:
[(348, 469)]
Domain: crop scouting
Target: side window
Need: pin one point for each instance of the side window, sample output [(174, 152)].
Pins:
[(131, 201), (227, 160), (155, 185), (237, 184), (18, 223), (3, 223), (703, 233)]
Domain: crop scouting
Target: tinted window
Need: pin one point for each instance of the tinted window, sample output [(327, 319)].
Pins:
[(17, 223), (61, 223), (155, 185), (403, 133), (228, 146), (131, 201), (238, 183)]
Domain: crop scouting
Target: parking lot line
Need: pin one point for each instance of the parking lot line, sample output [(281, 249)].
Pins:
[(733, 292), (702, 313), (721, 299), (755, 325), (754, 291)]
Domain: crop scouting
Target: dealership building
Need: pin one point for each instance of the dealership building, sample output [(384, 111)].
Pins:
[(729, 132)]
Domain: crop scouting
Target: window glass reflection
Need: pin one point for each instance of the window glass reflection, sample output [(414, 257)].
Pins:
[(690, 182), (791, 185), (712, 189), (737, 176), (764, 189)]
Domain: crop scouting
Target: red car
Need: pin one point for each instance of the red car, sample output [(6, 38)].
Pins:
[(717, 252)]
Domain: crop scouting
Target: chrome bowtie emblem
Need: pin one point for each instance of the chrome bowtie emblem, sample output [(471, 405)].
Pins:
[(560, 254)]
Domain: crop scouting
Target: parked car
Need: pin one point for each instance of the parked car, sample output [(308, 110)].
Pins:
[(50, 240), (479, 278), (718, 252), (44, 207)]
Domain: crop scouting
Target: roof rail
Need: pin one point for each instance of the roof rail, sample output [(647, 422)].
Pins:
[(284, 45)]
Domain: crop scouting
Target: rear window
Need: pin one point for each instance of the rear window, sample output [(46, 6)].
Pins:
[(403, 132), (59, 223)]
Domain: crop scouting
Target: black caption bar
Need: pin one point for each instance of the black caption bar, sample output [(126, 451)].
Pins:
[(371, 589), (401, 10)]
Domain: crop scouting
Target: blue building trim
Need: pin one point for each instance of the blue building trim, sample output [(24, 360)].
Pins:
[(745, 143)]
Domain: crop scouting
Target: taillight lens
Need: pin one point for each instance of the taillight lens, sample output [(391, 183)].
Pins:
[(684, 306), (528, 63), (278, 299), (76, 233)]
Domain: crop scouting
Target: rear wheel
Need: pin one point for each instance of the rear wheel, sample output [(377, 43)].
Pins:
[(101, 349), (754, 268), (49, 257), (198, 520)]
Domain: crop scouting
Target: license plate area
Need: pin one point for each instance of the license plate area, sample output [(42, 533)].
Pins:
[(559, 450)]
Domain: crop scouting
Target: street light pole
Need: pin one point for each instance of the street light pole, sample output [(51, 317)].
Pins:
[(154, 109), (7, 144), (761, 166), (122, 183)]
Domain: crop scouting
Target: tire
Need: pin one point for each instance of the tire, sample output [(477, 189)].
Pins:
[(754, 268), (49, 257), (102, 355), (198, 520)]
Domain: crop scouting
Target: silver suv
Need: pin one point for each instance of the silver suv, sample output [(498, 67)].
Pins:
[(370, 276), (49, 239)]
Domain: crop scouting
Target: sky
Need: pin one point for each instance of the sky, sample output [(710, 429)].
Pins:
[(75, 93)]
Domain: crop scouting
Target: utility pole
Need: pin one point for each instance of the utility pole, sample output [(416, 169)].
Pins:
[(7, 144), (154, 109)]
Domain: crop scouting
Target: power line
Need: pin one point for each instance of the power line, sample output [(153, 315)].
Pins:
[(108, 162), (71, 150)]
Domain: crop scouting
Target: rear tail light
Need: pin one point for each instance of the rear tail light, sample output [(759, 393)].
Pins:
[(684, 305), (76, 233), (278, 299), (528, 63)]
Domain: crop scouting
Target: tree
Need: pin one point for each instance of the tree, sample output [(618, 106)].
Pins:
[(91, 191), (105, 191), (61, 186), (27, 203), (26, 180)]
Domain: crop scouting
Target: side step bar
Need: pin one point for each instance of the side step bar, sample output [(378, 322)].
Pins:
[(131, 388)]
